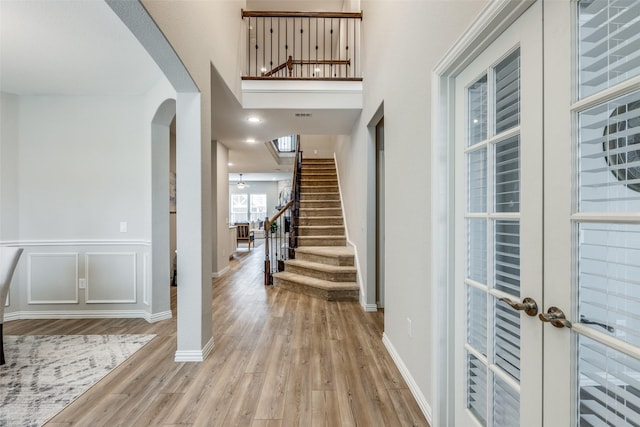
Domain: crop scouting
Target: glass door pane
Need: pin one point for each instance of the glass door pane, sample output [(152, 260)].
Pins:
[(606, 217), (493, 243)]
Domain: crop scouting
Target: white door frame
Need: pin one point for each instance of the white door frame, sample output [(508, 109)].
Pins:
[(492, 21)]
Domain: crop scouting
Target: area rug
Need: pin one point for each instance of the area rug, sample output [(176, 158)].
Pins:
[(44, 373)]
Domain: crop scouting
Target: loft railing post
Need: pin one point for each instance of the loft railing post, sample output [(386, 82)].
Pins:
[(267, 259)]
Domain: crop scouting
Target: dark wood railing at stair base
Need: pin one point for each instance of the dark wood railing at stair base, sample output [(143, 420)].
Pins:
[(281, 230), (302, 45)]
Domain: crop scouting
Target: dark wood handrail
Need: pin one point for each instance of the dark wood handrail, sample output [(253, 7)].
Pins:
[(291, 62), (288, 64), (322, 62), (283, 14), (295, 169), (267, 224)]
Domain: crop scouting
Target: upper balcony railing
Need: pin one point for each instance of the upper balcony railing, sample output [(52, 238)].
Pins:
[(302, 45)]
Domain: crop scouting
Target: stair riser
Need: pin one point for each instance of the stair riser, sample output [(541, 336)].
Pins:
[(319, 173), (337, 295), (320, 196), (318, 183), (311, 213), (311, 241), (305, 204), (322, 170), (331, 231), (343, 261), (324, 275), (319, 220), (318, 189), (318, 162)]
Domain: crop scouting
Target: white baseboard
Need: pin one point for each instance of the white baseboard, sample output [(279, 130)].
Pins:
[(415, 390), (368, 307), (156, 317), (194, 355), (220, 273), (82, 314)]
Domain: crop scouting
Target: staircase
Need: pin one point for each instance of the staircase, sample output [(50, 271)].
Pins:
[(324, 266)]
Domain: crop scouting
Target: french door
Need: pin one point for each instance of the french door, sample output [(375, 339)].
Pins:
[(499, 218), (547, 229)]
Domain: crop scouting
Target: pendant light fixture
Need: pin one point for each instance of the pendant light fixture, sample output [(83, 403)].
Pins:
[(241, 183)]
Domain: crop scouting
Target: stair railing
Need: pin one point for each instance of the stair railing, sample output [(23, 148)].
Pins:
[(302, 45), (281, 230)]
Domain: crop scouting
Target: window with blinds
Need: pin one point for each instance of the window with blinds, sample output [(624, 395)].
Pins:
[(609, 139), (493, 243), (608, 187), (608, 43)]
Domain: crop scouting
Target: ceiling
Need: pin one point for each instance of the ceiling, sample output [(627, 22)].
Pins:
[(49, 47)]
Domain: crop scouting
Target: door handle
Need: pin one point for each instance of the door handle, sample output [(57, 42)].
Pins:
[(556, 317), (528, 305)]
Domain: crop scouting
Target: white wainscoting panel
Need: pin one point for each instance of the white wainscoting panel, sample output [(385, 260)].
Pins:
[(52, 278), (111, 277), (146, 274)]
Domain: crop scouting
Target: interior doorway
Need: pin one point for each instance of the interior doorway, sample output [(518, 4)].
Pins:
[(380, 213)]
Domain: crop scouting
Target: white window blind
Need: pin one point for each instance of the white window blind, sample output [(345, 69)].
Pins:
[(506, 411), (609, 141), (477, 388), (477, 181), (507, 257), (609, 386), (608, 253), (477, 250), (609, 43), (477, 101), (493, 243), (609, 279), (507, 175), (507, 339), (507, 93), (477, 319)]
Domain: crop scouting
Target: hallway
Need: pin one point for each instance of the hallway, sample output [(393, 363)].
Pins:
[(280, 359)]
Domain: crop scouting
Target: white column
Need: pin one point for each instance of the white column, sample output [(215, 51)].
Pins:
[(193, 171)]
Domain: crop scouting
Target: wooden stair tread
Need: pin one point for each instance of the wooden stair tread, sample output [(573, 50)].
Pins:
[(322, 267), (328, 251), (316, 283)]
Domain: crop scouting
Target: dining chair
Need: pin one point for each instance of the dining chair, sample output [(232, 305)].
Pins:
[(9, 257)]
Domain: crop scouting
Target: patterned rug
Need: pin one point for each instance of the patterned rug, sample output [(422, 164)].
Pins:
[(44, 373)]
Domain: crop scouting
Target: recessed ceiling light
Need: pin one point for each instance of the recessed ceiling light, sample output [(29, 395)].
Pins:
[(254, 119), (251, 140), (229, 164)]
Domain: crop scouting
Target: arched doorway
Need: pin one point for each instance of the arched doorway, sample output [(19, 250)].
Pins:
[(161, 259)]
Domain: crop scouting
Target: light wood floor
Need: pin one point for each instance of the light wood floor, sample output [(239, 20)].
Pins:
[(280, 359)]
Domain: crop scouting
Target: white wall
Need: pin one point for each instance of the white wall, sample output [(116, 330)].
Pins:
[(397, 68), (9, 138), (80, 167), (221, 209), (318, 146)]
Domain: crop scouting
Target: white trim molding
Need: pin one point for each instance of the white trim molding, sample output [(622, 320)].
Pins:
[(72, 265), (492, 21), (157, 317), (133, 279), (88, 242), (406, 374), (78, 314), (194, 355), (220, 273)]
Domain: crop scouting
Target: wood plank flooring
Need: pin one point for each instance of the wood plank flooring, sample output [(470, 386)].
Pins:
[(280, 359)]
